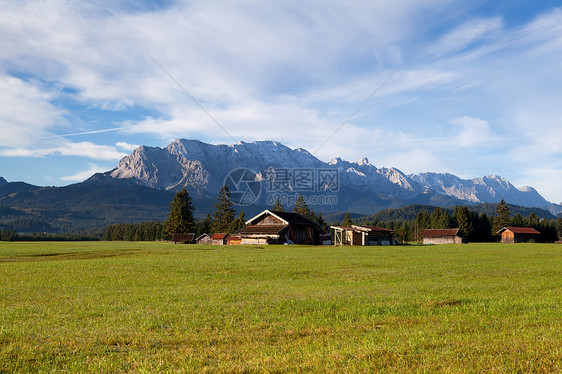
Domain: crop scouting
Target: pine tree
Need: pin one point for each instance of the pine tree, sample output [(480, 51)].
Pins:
[(323, 224), (302, 208), (239, 222), (180, 219), (347, 222), (517, 220), (277, 207), (224, 212), (204, 226), (463, 219), (502, 218)]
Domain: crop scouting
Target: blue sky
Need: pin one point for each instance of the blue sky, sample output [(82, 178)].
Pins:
[(474, 88)]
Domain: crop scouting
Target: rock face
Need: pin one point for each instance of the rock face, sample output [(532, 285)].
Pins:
[(362, 187)]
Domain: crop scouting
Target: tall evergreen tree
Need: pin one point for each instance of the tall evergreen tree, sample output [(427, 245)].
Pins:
[(347, 222), (517, 220), (502, 218), (224, 212), (322, 223), (180, 219), (239, 222), (302, 208), (463, 219), (278, 207)]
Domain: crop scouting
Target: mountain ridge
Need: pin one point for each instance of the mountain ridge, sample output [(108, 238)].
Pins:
[(202, 168)]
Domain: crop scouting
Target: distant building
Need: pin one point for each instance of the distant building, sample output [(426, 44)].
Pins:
[(184, 238), (363, 235), (233, 239), (219, 238), (442, 236), (204, 239), (518, 234), (272, 227)]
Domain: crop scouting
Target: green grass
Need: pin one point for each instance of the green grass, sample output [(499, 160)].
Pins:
[(156, 307)]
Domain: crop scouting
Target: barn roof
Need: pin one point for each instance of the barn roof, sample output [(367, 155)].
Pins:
[(262, 229), (520, 230), (183, 237), (372, 229), (218, 236), (286, 217), (439, 232), (202, 236)]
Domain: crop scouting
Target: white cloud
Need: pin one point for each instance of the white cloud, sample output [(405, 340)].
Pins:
[(472, 131), (466, 34), (85, 174), (26, 113), (66, 148), (126, 146)]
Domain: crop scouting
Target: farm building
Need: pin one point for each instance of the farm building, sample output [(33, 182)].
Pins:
[(518, 234), (363, 235), (184, 238), (442, 236), (219, 239), (204, 239), (272, 227), (233, 239)]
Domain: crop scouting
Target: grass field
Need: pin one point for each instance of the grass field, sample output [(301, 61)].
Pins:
[(156, 307)]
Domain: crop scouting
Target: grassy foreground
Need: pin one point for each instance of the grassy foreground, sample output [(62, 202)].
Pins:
[(156, 307)]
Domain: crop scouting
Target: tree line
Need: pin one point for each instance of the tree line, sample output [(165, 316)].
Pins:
[(181, 219)]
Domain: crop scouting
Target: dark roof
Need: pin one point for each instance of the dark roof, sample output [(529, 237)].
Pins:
[(218, 236), (183, 237), (262, 229), (520, 230), (439, 232), (202, 235), (373, 228), (293, 218)]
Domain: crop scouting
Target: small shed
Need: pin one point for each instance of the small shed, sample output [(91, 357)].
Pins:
[(363, 235), (219, 238), (184, 238), (204, 239), (442, 236), (233, 239), (518, 234)]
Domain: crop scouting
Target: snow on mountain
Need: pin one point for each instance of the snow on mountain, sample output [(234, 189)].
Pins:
[(488, 189), (202, 167)]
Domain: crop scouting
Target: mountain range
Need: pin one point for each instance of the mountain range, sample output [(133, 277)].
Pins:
[(361, 187), (144, 182)]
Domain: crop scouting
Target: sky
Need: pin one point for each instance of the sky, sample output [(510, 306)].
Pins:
[(471, 88)]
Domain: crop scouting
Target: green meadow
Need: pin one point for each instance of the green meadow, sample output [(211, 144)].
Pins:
[(111, 307)]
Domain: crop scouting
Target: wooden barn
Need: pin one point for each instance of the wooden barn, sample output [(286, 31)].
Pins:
[(219, 239), (272, 227), (518, 234), (204, 239), (442, 236), (363, 235), (184, 238)]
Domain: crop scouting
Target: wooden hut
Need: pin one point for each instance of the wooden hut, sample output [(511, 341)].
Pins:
[(272, 227), (184, 238), (442, 236), (518, 234), (363, 235), (204, 239), (219, 238)]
